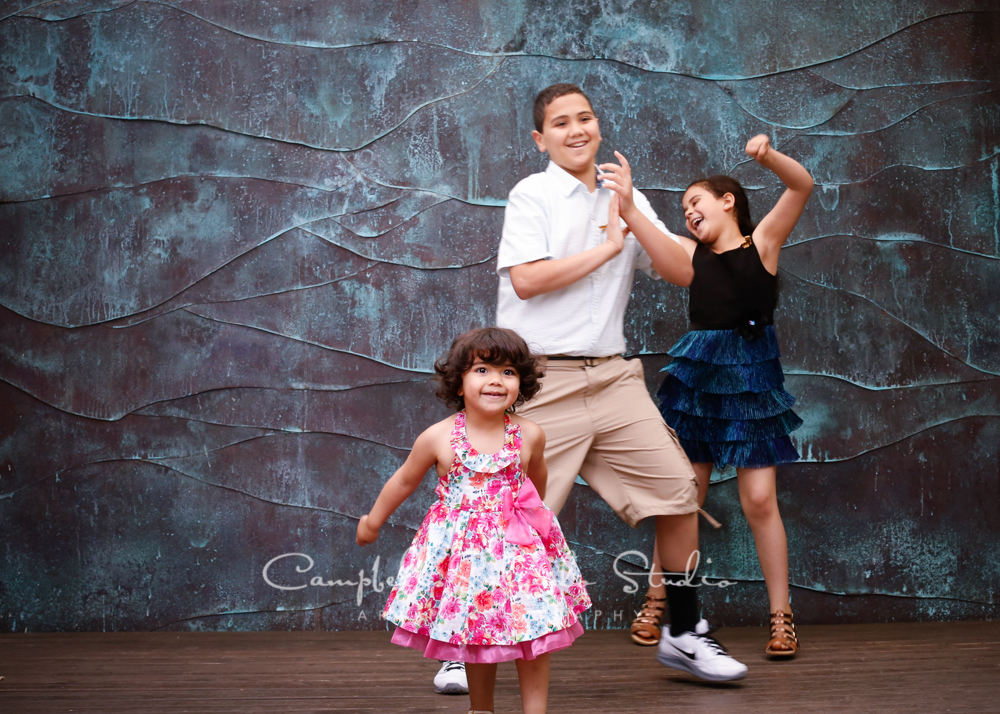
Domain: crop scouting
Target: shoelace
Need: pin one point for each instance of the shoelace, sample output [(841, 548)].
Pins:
[(449, 666), (711, 642)]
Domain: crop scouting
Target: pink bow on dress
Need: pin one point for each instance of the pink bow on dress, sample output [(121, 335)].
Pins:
[(524, 513)]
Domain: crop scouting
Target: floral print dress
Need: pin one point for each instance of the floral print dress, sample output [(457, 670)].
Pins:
[(489, 576)]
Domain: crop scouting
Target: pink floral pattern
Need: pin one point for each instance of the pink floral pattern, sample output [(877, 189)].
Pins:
[(461, 582)]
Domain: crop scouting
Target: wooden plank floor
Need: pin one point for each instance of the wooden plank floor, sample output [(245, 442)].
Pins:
[(930, 667)]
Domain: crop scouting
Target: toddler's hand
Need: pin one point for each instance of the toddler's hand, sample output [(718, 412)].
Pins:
[(619, 179), (366, 534), (615, 235), (758, 147)]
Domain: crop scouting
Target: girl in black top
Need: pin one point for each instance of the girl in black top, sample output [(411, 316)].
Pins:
[(723, 391)]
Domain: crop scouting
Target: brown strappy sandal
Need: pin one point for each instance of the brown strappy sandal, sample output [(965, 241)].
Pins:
[(784, 642), (646, 625)]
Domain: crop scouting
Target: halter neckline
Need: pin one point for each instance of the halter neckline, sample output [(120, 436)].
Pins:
[(485, 463)]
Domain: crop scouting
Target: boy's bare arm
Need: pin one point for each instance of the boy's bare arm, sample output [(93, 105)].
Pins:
[(545, 276)]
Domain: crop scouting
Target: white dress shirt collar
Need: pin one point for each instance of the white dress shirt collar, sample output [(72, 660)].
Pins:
[(567, 182)]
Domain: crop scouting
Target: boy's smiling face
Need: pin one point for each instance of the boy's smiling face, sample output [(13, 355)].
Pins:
[(571, 136)]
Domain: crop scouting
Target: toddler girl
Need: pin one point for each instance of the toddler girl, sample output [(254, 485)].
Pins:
[(489, 577)]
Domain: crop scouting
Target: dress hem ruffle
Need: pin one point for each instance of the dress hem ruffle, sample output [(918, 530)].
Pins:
[(742, 455), (487, 654)]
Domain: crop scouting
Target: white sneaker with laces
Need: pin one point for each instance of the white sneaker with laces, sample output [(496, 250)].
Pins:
[(451, 679), (700, 655)]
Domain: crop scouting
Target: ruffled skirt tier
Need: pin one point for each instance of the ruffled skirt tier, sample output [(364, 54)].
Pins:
[(724, 397)]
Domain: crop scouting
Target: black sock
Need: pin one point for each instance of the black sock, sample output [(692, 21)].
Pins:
[(683, 603)]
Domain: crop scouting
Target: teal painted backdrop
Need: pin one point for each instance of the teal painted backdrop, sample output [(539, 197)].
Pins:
[(235, 236)]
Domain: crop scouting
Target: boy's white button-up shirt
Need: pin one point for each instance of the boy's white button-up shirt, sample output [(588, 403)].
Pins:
[(552, 215)]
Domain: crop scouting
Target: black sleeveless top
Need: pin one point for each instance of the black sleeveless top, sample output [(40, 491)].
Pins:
[(731, 290)]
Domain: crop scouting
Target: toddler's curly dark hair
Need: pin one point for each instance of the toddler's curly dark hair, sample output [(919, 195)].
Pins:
[(493, 345)]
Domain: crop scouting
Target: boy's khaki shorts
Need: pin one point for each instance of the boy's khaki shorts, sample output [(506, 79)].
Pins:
[(601, 423)]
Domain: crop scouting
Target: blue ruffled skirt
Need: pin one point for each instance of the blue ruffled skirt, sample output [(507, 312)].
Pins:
[(723, 395)]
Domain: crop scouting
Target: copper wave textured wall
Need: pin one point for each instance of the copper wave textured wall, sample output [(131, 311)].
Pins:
[(235, 236)]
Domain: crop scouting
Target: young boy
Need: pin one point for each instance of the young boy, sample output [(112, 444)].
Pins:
[(566, 269)]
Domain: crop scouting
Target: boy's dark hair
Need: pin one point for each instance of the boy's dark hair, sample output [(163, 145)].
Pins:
[(493, 345), (720, 186), (550, 94)]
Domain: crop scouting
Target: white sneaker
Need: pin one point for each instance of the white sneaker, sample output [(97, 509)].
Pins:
[(451, 679), (700, 655)]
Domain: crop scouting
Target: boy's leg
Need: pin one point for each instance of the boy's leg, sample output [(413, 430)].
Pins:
[(560, 409), (657, 590), (638, 467), (684, 645), (677, 543), (636, 463), (656, 587), (676, 534), (533, 678)]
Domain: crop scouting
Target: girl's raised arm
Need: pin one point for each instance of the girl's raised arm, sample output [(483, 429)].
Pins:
[(670, 260), (774, 229), (401, 485)]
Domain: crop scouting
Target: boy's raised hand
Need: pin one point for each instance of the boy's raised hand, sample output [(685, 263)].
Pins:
[(619, 179), (616, 236), (758, 147), (366, 534)]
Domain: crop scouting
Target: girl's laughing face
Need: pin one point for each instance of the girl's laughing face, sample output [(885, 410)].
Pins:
[(705, 214)]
